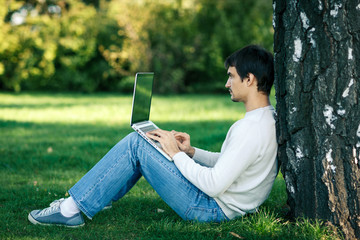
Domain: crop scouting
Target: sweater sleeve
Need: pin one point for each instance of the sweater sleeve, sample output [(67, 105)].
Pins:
[(239, 151), (205, 158)]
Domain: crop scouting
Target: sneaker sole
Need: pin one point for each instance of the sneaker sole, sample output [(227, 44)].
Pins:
[(33, 221), (107, 208)]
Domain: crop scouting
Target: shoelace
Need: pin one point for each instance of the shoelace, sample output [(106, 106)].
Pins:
[(57, 201), (53, 207)]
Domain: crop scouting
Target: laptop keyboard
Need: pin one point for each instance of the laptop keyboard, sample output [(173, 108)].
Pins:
[(147, 128)]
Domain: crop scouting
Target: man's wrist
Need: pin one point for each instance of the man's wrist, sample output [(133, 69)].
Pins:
[(191, 152), (173, 154)]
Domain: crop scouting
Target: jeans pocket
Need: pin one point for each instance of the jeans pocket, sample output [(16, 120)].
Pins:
[(199, 214)]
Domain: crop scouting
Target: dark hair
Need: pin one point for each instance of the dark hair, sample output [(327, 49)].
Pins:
[(256, 60)]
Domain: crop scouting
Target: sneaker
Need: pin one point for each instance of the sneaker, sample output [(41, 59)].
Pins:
[(108, 206), (52, 216)]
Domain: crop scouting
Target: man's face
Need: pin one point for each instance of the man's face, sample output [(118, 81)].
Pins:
[(236, 86)]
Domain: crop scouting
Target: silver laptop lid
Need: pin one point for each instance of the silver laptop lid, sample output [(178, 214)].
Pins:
[(142, 97)]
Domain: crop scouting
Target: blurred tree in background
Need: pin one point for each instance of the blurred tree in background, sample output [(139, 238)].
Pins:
[(98, 45)]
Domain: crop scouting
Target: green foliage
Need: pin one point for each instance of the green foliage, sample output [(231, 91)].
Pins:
[(59, 52), (99, 45)]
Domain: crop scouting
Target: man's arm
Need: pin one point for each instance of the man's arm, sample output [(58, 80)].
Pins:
[(239, 153), (203, 157)]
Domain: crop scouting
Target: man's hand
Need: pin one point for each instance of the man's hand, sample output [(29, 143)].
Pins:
[(166, 139), (183, 142)]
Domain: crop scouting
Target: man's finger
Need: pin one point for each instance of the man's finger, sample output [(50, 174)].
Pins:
[(154, 136), (159, 132)]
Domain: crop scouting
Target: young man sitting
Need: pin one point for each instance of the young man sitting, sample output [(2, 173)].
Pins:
[(198, 185)]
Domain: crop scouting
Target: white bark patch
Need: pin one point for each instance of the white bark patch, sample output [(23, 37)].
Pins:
[(292, 190), (358, 135), (335, 11), (350, 56), (298, 50), (354, 152), (289, 184), (346, 92), (299, 153), (320, 5), (355, 155), (274, 16), (358, 131), (304, 19), (330, 161), (294, 109), (341, 112), (329, 158), (329, 116), (358, 7), (312, 41)]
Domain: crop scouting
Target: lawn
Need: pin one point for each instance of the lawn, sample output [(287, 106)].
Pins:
[(49, 141)]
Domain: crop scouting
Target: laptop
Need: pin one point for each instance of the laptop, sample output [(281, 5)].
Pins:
[(141, 108)]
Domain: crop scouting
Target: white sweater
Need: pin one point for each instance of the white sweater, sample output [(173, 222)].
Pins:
[(241, 176)]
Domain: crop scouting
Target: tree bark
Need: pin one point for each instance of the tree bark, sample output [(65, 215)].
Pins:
[(317, 82)]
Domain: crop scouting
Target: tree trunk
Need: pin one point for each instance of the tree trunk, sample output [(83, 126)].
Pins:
[(317, 82)]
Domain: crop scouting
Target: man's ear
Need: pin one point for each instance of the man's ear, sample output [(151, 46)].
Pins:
[(251, 80)]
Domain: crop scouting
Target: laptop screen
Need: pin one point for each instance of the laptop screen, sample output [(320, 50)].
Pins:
[(142, 97)]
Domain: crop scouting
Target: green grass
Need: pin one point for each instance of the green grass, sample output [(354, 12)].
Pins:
[(49, 141)]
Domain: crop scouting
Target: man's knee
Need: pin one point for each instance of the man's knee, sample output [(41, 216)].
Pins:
[(134, 137)]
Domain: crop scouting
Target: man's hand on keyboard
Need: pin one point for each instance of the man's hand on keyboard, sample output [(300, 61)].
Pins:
[(166, 139)]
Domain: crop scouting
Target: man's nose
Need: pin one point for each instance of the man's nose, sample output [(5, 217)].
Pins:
[(227, 84)]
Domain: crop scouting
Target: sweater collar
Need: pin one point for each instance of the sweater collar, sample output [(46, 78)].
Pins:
[(256, 111)]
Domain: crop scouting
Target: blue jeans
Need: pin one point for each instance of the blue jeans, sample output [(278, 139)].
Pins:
[(118, 171)]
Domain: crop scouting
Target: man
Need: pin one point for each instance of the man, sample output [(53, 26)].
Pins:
[(198, 185)]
